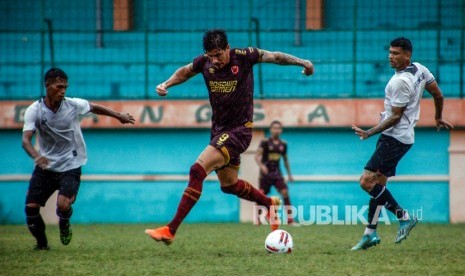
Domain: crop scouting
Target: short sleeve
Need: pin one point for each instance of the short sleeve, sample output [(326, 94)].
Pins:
[(82, 105), (429, 78), (253, 54), (198, 63), (30, 117), (401, 93)]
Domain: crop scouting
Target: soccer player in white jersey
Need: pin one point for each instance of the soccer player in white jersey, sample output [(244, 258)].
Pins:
[(61, 154), (401, 112)]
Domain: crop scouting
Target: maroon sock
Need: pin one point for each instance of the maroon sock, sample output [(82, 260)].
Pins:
[(287, 201), (246, 191), (191, 194), (287, 205)]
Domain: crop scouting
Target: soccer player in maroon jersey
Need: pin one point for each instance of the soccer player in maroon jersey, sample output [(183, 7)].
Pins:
[(228, 75), (268, 157)]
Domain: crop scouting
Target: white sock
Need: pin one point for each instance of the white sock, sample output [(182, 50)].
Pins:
[(405, 216), (369, 231)]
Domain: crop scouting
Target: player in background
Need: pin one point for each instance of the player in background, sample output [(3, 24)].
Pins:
[(228, 75), (269, 154), (401, 112), (62, 152)]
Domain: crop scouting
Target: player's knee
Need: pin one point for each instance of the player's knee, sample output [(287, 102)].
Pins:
[(367, 182), (284, 193), (63, 206), (232, 185), (228, 180), (64, 203)]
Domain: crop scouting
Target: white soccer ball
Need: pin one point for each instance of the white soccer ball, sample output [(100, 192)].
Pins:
[(279, 241)]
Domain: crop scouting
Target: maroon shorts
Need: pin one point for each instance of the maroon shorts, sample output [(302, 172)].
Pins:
[(232, 143), (267, 182)]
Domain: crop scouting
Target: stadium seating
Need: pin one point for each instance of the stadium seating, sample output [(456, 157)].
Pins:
[(350, 62)]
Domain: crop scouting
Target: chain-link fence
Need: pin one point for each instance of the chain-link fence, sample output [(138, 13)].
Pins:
[(121, 49)]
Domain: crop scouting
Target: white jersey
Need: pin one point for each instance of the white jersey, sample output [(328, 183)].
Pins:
[(59, 134), (405, 89)]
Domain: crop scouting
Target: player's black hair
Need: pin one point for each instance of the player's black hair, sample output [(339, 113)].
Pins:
[(403, 43), (215, 39), (276, 122), (54, 73)]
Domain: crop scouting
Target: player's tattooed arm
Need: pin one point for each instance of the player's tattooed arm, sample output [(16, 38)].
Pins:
[(181, 75), (286, 59)]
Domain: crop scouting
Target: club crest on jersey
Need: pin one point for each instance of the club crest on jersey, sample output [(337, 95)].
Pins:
[(235, 69)]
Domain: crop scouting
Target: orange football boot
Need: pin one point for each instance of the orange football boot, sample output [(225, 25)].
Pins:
[(161, 234)]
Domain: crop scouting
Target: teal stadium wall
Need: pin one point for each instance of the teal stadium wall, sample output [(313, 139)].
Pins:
[(351, 61), (311, 152)]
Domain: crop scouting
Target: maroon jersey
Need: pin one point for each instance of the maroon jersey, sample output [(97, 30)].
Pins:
[(230, 88), (272, 153)]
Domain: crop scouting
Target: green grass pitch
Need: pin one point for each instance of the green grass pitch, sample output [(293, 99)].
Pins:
[(233, 249)]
